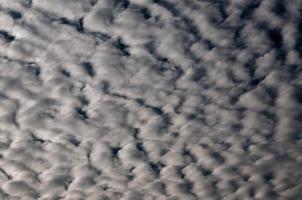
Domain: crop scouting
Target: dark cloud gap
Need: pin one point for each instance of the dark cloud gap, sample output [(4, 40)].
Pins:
[(37, 139), (279, 8), (15, 14), (160, 67), (218, 157), (115, 151), (105, 87), (65, 73), (248, 10), (100, 36), (34, 69), (268, 176), (250, 66), (141, 9), (27, 4), (187, 187), (121, 5), (237, 39), (81, 113), (180, 173), (205, 172), (191, 27), (234, 185), (209, 44), (89, 69), (298, 94), (198, 74), (140, 147), (256, 81), (83, 100), (6, 36), (246, 144), (146, 13), (9, 177), (186, 153), (90, 165), (298, 45), (276, 37), (156, 167), (74, 141), (14, 119), (130, 174), (122, 46), (178, 72), (245, 177), (252, 192), (222, 9), (79, 25), (135, 133), (65, 21), (93, 2)]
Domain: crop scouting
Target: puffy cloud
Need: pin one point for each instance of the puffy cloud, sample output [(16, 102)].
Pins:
[(141, 99)]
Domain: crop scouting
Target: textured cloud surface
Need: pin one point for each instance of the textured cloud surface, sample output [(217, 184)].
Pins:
[(142, 99)]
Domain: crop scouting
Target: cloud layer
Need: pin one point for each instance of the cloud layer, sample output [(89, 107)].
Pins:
[(141, 99)]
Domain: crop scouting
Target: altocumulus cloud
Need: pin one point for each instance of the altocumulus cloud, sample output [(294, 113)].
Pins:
[(142, 99)]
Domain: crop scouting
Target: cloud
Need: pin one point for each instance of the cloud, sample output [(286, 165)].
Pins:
[(160, 99)]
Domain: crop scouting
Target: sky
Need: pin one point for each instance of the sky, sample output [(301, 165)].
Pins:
[(150, 99)]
